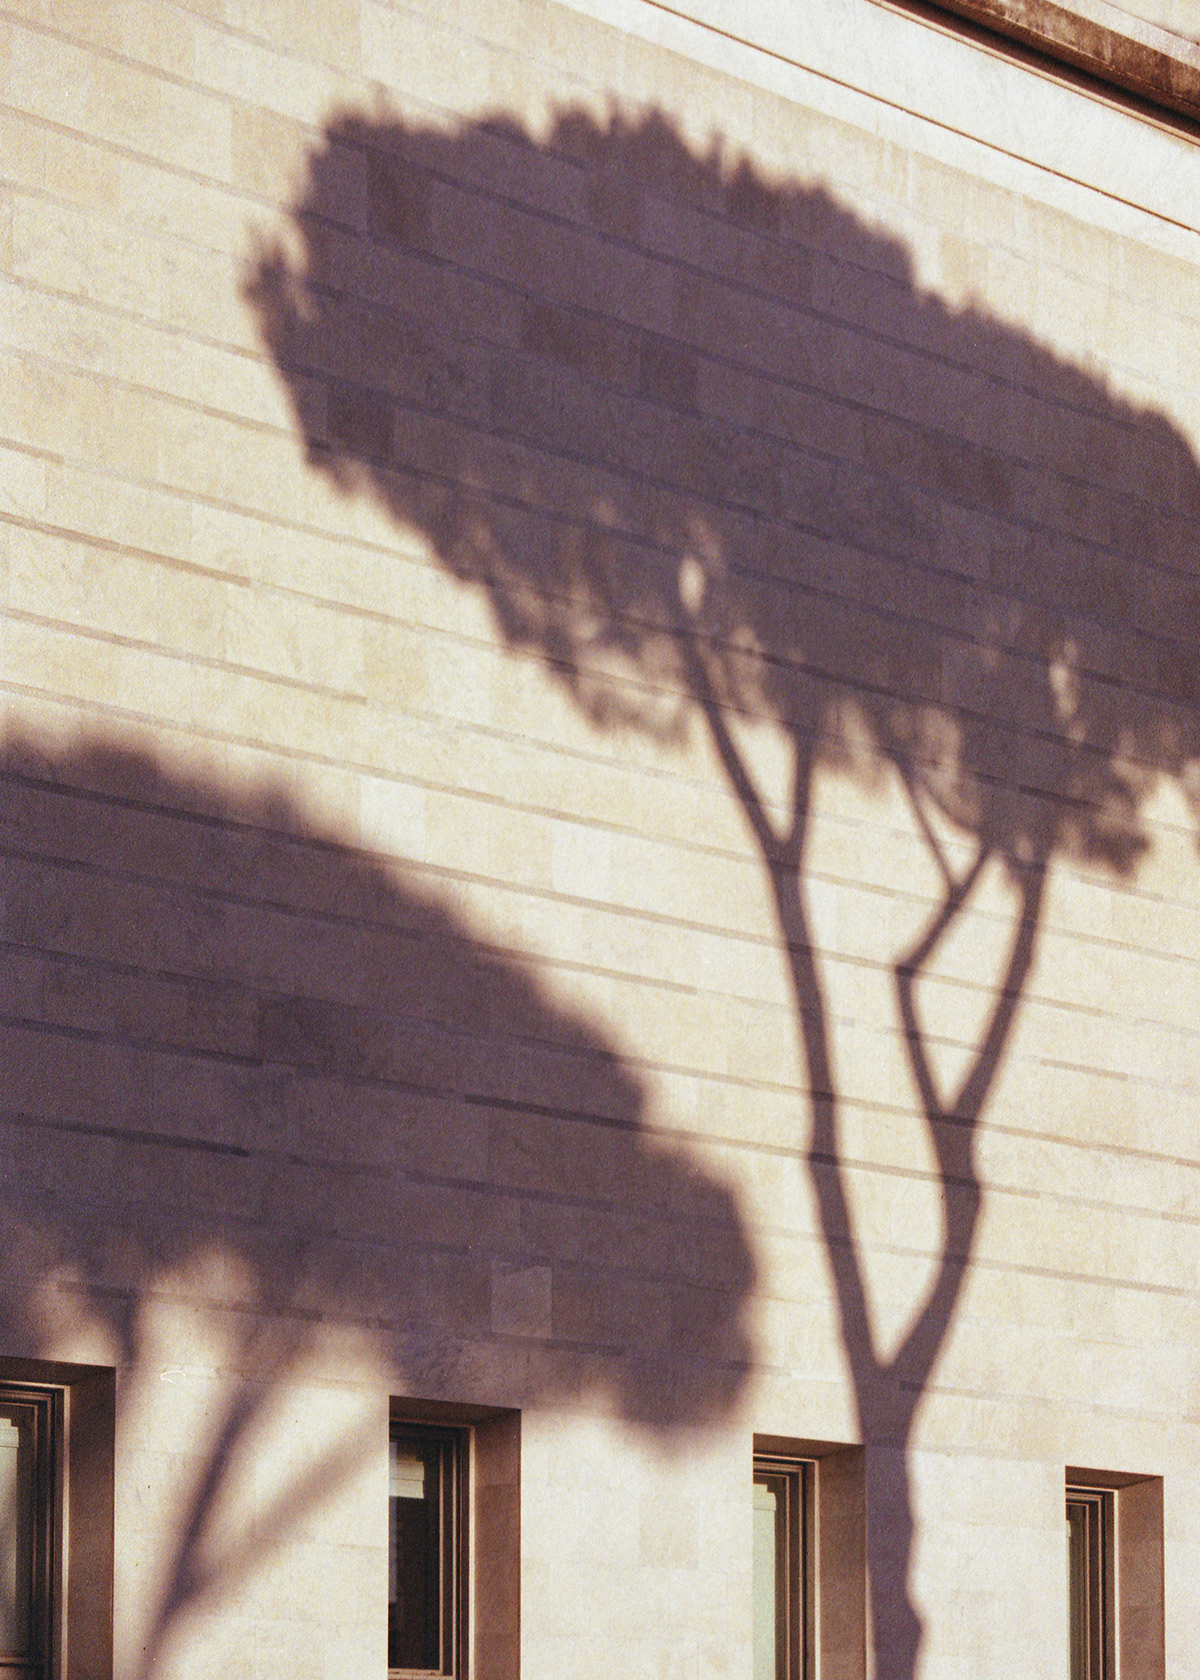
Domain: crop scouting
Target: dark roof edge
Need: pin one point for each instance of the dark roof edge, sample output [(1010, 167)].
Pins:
[(1104, 41)]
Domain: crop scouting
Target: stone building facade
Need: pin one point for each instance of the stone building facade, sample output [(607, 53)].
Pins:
[(599, 834)]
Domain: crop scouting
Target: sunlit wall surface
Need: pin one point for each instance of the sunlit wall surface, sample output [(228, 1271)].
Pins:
[(598, 820)]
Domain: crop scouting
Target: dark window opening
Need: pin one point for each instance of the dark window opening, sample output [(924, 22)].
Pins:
[(426, 1551)]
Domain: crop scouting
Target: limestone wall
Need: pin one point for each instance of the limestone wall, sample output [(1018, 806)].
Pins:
[(490, 499)]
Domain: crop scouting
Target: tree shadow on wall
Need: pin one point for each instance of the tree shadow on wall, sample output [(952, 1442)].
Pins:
[(710, 453), (226, 1035)]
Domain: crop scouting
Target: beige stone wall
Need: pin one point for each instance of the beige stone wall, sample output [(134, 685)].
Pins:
[(395, 1001)]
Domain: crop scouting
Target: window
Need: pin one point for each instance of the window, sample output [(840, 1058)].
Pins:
[(30, 1428), (1114, 1533), (427, 1548), (57, 1425), (782, 1573), (1092, 1621), (454, 1541), (809, 1560)]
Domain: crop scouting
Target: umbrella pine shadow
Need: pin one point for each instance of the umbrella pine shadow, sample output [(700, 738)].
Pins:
[(708, 451)]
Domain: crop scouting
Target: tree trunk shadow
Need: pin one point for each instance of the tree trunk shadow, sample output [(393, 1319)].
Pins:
[(887, 1392)]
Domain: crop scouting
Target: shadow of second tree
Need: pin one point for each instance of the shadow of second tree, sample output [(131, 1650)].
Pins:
[(230, 1039), (710, 453)]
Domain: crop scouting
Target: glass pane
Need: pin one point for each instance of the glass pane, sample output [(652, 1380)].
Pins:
[(407, 1474), (16, 1500), (768, 1532)]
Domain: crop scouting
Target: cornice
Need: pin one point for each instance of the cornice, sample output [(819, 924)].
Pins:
[(1101, 39)]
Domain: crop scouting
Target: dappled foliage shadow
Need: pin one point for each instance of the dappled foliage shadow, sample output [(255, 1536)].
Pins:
[(708, 450), (225, 1034)]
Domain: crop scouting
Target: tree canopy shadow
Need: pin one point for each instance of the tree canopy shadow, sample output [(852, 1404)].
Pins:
[(710, 452), (226, 1034)]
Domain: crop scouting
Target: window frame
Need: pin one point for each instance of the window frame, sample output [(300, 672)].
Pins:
[(795, 1573), (1091, 1582), (1132, 1570), (452, 1447), (836, 1509)]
